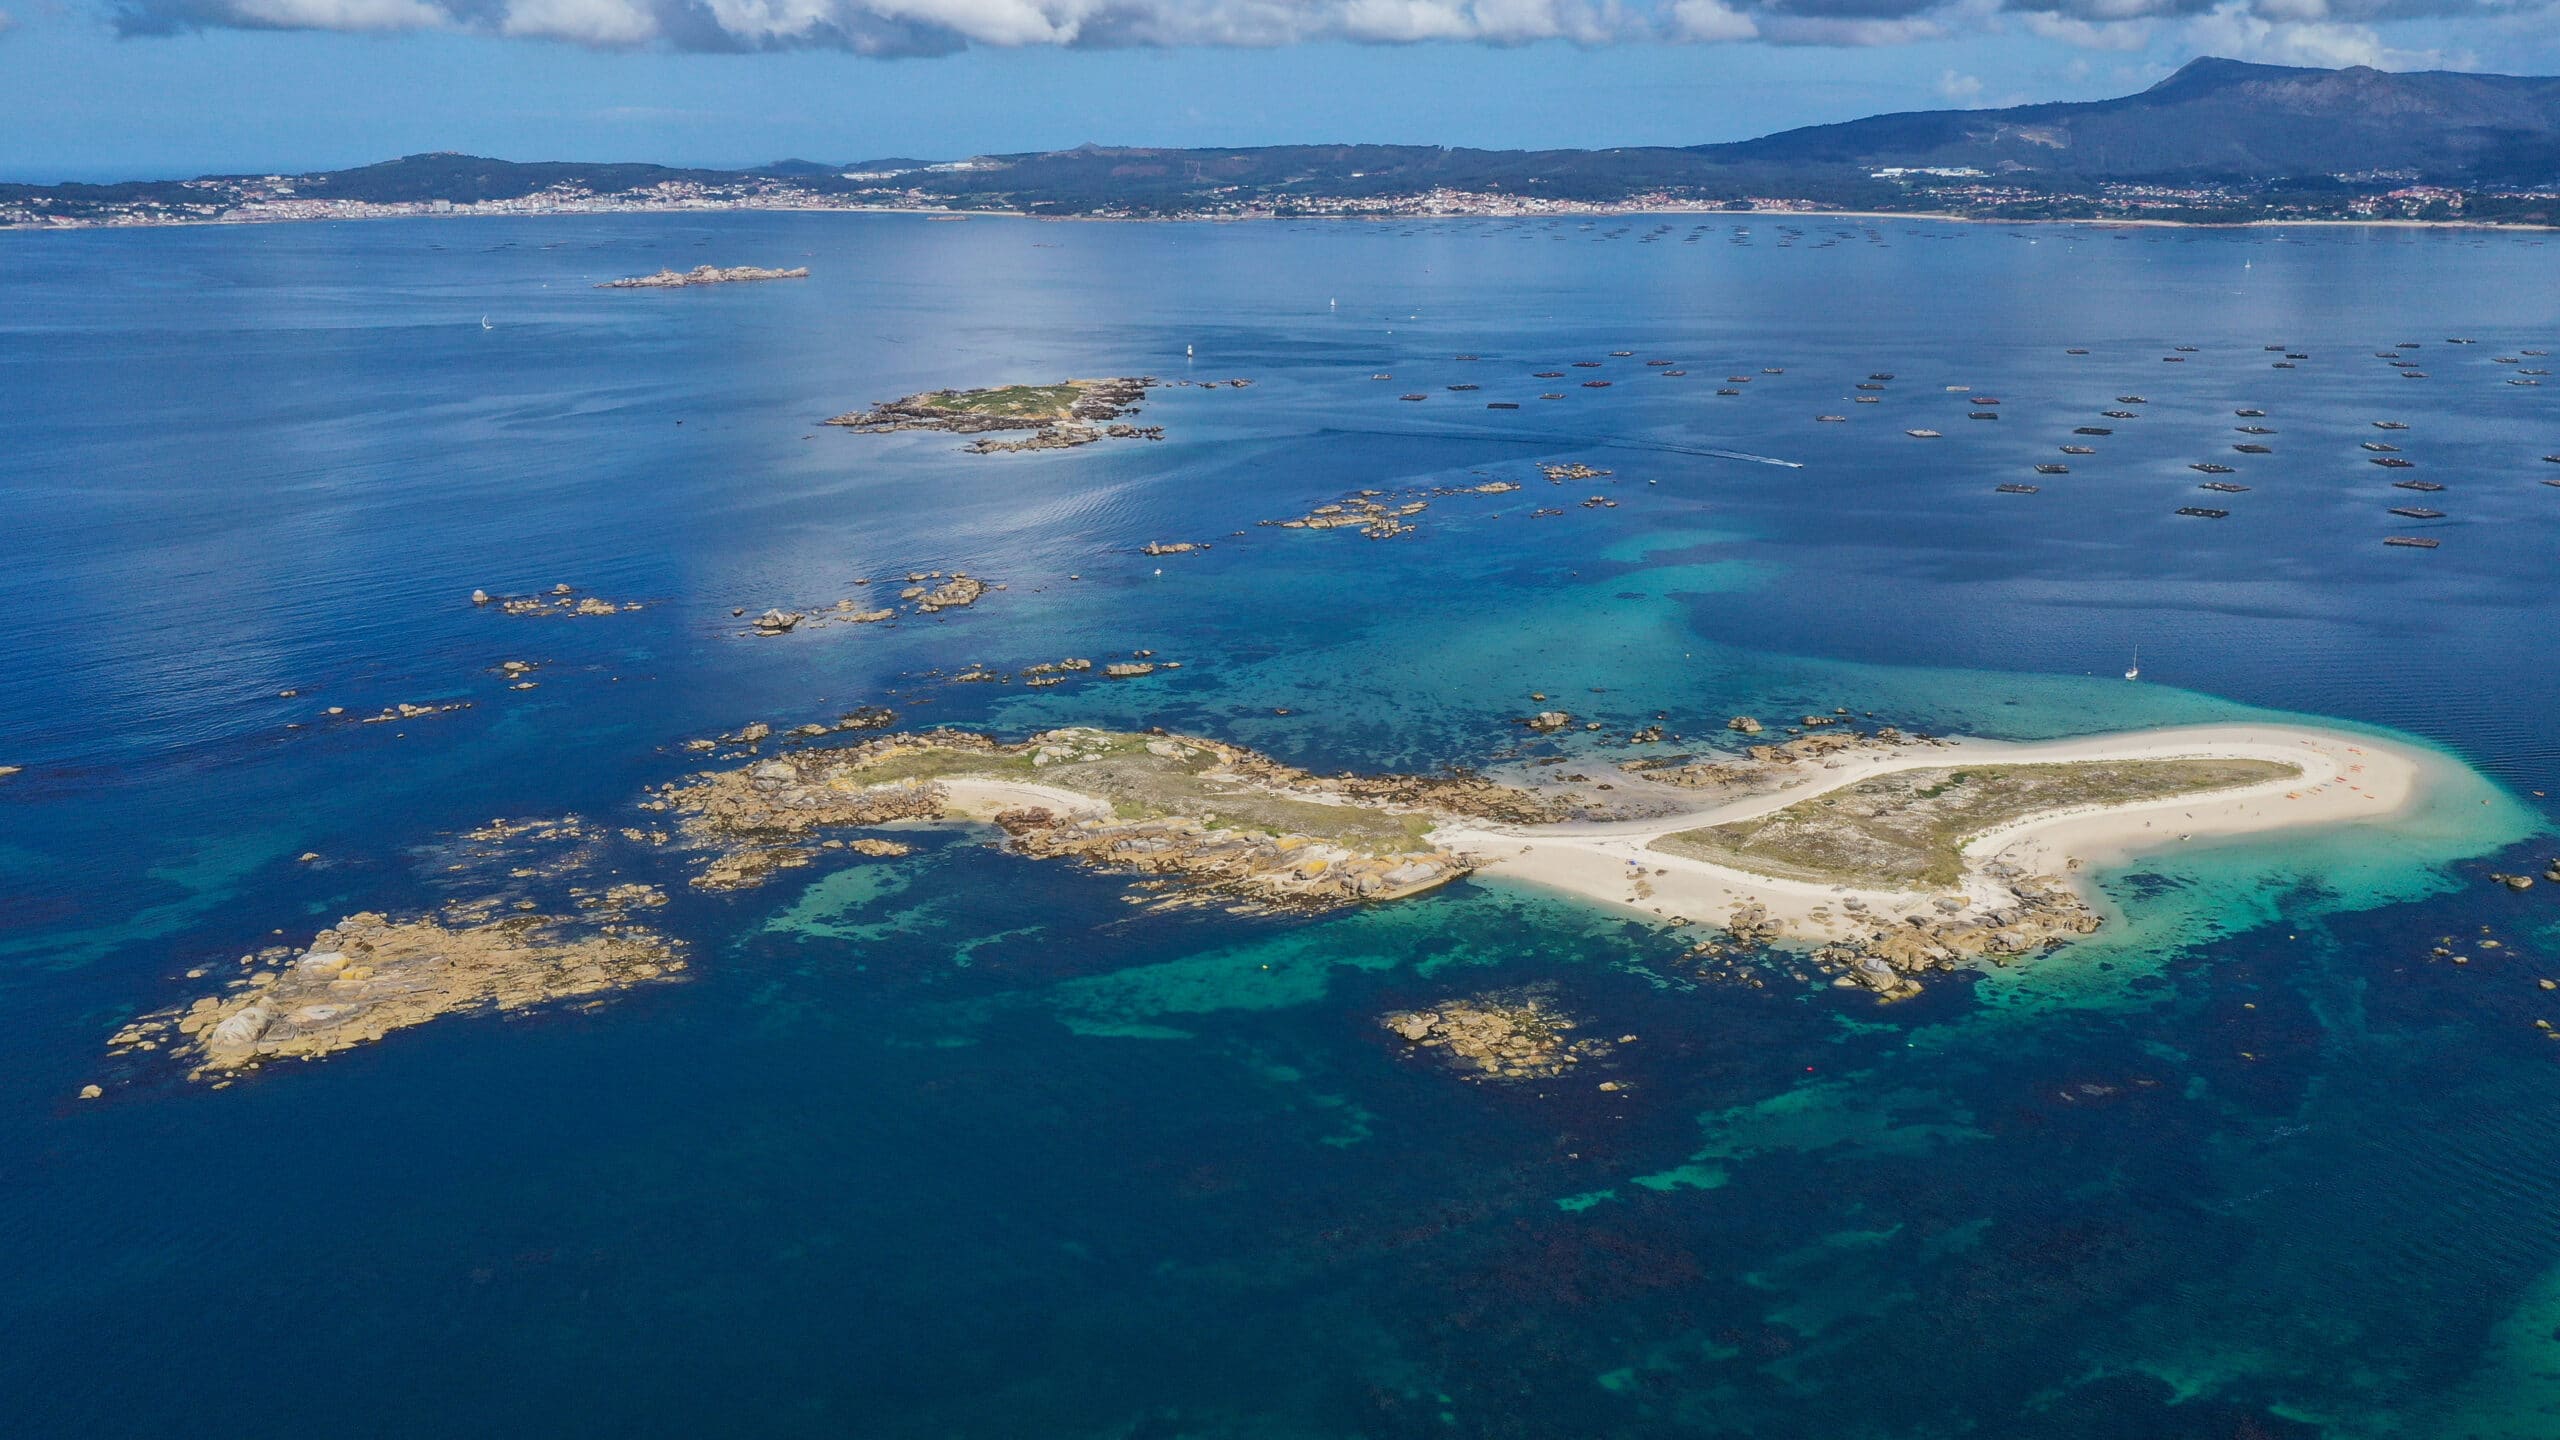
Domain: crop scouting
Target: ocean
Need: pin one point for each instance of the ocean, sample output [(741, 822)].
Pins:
[(959, 1144)]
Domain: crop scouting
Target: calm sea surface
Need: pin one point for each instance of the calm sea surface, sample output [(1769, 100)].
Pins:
[(958, 1145)]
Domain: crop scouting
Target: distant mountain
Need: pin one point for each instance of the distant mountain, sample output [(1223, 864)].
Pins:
[(2235, 141), (2218, 118)]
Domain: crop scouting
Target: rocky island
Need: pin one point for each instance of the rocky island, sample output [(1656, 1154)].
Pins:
[(672, 279), (1874, 857), (369, 975), (1055, 417)]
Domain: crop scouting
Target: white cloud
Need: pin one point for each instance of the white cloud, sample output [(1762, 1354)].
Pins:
[(2089, 34), (2296, 31), (356, 15), (1709, 22), (1962, 89), (606, 24), (2235, 31)]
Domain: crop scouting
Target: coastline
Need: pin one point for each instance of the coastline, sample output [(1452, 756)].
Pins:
[(2345, 779), (1600, 211)]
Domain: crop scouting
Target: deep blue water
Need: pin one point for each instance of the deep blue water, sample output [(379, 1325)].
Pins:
[(959, 1145)]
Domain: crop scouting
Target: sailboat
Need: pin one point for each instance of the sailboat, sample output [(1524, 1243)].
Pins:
[(2134, 670)]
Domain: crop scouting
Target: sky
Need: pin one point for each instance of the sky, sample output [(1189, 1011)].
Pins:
[(133, 89)]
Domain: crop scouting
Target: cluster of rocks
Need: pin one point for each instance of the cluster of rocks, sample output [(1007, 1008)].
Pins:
[(1574, 470), (929, 591), (1065, 437), (1503, 1035), (750, 822), (959, 590), (673, 279), (370, 975), (1372, 517), (2035, 914), (405, 711), (1089, 414), (1381, 515), (2550, 872), (1176, 547), (559, 600), (1767, 767)]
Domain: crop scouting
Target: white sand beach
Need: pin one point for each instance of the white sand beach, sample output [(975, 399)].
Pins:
[(2344, 779)]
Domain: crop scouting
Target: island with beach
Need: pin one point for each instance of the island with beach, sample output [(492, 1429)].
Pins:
[(1877, 857)]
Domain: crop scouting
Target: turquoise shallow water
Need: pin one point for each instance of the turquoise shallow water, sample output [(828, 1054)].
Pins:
[(954, 1144)]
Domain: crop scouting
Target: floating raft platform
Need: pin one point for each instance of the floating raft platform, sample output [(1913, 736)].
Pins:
[(2413, 542), (2429, 486), (2417, 512), (2202, 512), (2019, 489)]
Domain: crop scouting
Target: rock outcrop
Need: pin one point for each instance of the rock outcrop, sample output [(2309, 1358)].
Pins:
[(1505, 1035), (369, 975)]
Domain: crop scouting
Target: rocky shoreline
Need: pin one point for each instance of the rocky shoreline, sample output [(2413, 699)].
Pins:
[(1220, 820)]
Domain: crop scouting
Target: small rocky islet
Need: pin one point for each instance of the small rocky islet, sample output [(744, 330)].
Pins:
[(1058, 416), (1503, 1036), (369, 975), (674, 279)]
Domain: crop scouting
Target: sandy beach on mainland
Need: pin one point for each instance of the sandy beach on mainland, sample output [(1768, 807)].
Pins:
[(2345, 779)]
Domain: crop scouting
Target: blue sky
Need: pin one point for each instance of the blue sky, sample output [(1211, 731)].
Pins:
[(108, 89)]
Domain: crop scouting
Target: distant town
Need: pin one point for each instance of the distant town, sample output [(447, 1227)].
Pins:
[(1956, 192), (2220, 142)]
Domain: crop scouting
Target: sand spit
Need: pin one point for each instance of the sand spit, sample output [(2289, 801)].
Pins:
[(2016, 893)]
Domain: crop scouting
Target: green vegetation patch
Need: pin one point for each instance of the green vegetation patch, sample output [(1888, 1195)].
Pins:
[(1011, 402), (1910, 827), (1150, 778)]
